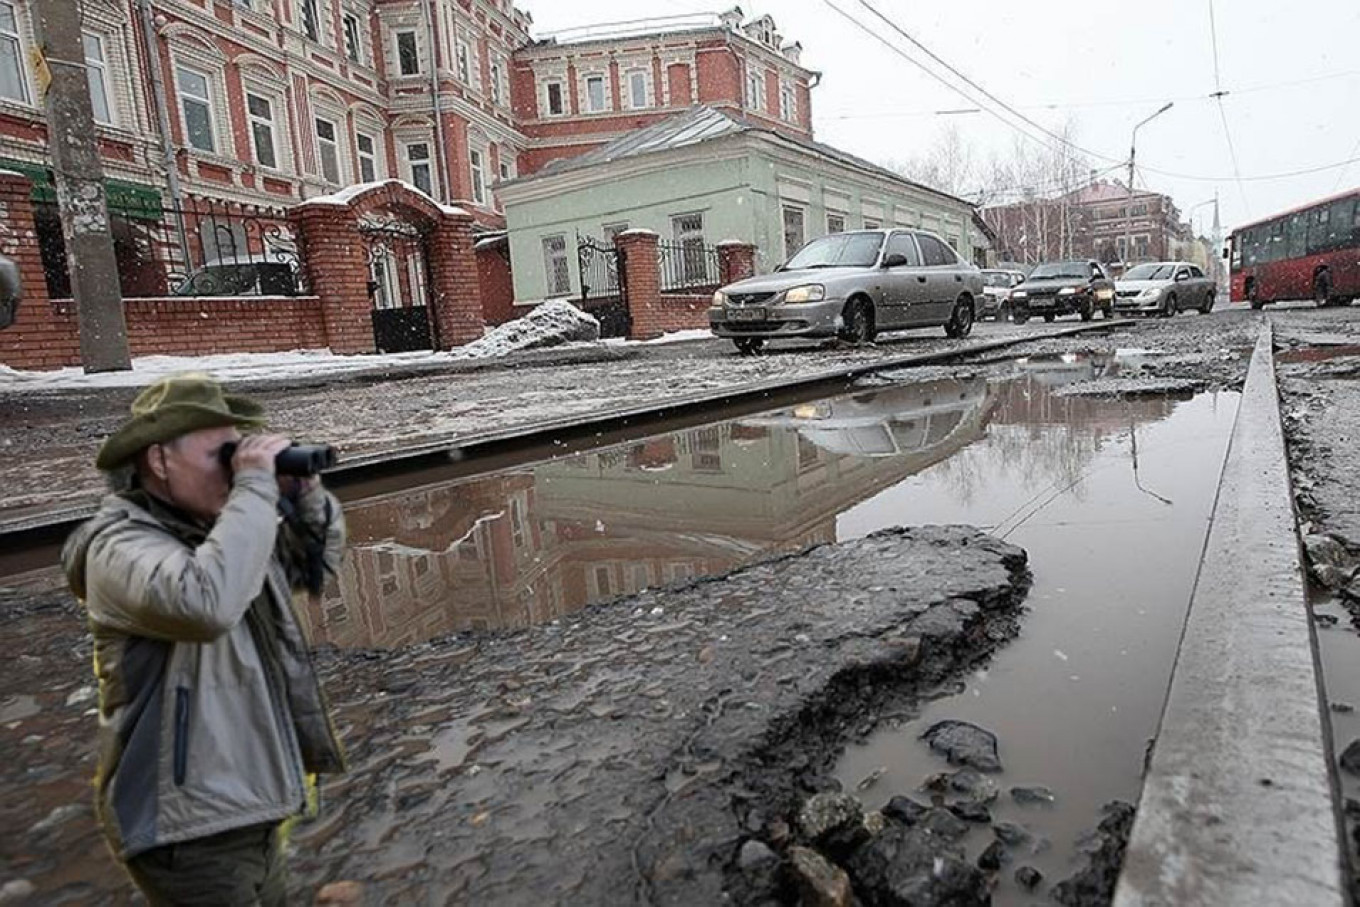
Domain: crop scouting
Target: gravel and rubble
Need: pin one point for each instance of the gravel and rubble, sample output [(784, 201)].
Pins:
[(1318, 371), (635, 750)]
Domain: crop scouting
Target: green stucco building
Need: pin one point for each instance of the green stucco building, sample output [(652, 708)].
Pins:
[(704, 176)]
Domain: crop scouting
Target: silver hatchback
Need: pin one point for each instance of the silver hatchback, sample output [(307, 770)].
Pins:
[(852, 286)]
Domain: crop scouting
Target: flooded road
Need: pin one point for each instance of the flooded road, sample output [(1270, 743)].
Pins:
[(1113, 550)]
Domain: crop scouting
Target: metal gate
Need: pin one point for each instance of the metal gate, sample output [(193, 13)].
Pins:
[(398, 285), (604, 287)]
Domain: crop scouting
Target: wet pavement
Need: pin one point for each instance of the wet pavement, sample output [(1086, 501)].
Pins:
[(509, 561)]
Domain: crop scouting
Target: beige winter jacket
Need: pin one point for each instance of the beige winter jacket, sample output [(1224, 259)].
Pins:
[(211, 715)]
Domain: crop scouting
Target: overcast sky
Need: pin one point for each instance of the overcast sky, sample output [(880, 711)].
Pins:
[(1291, 71)]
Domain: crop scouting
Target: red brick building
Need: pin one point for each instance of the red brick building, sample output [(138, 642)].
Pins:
[(278, 101)]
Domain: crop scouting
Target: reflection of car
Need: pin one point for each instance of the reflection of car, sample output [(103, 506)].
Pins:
[(996, 289), (245, 275), (1056, 370), (10, 291), (1164, 288), (901, 419), (1061, 288), (852, 285)]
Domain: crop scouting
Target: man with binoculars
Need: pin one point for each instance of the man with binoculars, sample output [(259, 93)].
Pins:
[(212, 720)]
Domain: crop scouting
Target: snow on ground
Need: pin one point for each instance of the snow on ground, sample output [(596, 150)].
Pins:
[(552, 323)]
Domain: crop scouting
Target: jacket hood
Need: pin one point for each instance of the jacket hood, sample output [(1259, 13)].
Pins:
[(112, 511)]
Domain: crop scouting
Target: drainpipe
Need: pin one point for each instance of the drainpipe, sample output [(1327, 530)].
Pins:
[(445, 175), (163, 124), (153, 64)]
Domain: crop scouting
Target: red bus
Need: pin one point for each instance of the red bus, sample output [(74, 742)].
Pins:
[(1311, 252)]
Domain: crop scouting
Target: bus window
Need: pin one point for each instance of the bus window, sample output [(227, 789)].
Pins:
[(1296, 236), (1319, 230)]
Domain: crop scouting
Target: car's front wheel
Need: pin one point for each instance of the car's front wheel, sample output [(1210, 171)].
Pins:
[(749, 346), (960, 323), (1086, 309), (858, 322), (1049, 316), (1170, 307), (1019, 316)]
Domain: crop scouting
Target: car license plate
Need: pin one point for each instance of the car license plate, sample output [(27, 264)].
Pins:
[(746, 314)]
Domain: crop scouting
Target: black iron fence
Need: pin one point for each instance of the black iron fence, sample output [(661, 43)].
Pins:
[(203, 247), (601, 267), (688, 267)]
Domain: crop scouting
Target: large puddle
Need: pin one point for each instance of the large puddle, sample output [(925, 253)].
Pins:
[(1111, 497)]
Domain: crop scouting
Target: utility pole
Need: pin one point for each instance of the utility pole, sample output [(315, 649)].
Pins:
[(80, 187), (1128, 214)]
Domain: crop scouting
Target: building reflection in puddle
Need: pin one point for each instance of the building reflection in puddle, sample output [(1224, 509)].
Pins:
[(528, 546)]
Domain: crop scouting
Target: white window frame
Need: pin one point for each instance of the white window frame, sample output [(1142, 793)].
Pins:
[(477, 158), (98, 68), (409, 164), (497, 87), (354, 43), (253, 120), (633, 76), (506, 164), (318, 118), (550, 271), (561, 98), (788, 103), (463, 59), (206, 100), (317, 19), (603, 79), (755, 88), (15, 40), (785, 210), (372, 157), (415, 45)]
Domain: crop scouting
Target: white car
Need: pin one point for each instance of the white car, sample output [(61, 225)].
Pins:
[(996, 290)]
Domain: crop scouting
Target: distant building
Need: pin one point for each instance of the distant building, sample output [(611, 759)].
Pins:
[(1096, 221), (702, 177)]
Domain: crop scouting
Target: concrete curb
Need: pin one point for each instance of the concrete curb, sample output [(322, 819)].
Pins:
[(1237, 807), (20, 537)]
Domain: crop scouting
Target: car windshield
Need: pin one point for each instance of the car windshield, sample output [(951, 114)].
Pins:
[(996, 279), (1151, 271), (1078, 269), (843, 250)]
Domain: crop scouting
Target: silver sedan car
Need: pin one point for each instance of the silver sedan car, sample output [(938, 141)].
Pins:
[(852, 286), (1164, 288)]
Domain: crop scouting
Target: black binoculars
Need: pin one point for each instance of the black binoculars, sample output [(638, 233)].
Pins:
[(298, 460)]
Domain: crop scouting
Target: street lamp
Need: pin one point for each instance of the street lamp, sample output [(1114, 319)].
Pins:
[(1128, 214)]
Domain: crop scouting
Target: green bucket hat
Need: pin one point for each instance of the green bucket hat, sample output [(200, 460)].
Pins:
[(172, 407)]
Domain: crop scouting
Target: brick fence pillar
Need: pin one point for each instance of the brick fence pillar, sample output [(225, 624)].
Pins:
[(455, 288), (642, 280), (45, 333), (736, 261), (337, 271)]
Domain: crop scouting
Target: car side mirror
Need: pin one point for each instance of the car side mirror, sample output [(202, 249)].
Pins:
[(1181, 275), (894, 260)]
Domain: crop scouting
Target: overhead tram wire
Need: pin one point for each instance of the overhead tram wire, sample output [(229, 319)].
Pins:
[(1223, 114), (943, 81), (1104, 157)]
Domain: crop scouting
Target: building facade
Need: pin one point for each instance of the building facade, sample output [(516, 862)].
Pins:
[(1101, 221), (701, 178), (278, 101)]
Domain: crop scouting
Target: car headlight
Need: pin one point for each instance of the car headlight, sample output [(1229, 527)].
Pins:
[(1149, 293), (1019, 294), (810, 293), (719, 299), (1067, 291), (1104, 294)]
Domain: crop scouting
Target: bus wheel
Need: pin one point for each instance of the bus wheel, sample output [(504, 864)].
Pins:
[(1256, 303), (1049, 316), (1322, 290)]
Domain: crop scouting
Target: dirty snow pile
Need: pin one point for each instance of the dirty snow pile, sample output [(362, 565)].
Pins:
[(551, 324)]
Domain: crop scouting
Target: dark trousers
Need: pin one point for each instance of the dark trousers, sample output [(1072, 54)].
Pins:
[(244, 866)]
